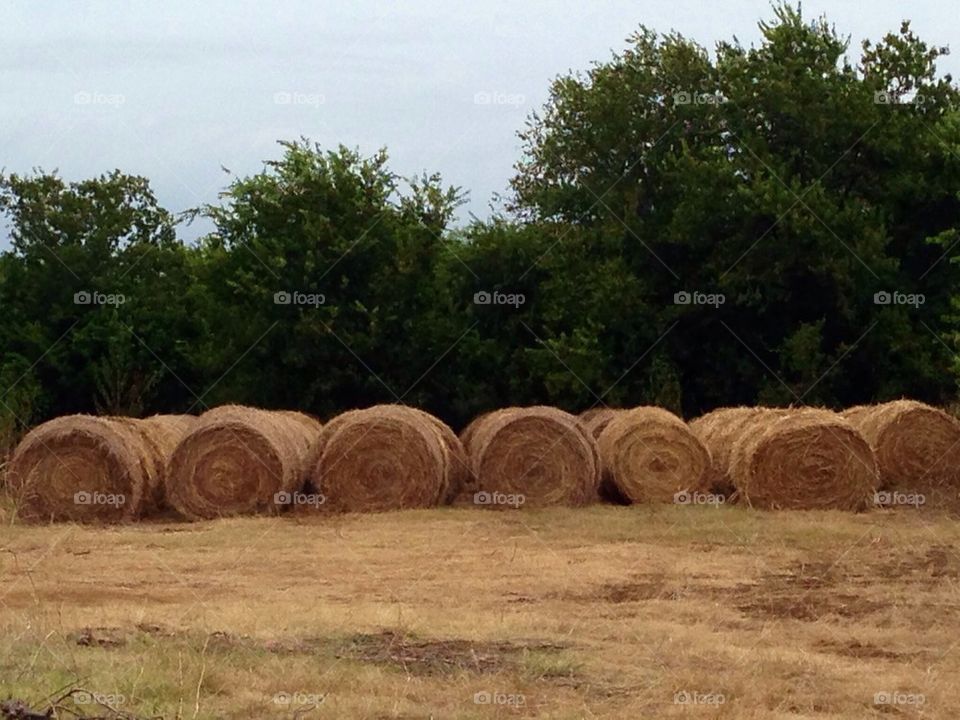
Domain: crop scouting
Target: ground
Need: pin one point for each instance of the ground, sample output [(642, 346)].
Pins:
[(601, 612)]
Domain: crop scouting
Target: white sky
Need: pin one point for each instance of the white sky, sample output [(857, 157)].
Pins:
[(200, 81)]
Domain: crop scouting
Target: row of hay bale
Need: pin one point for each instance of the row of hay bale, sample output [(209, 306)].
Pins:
[(810, 458), (236, 460)]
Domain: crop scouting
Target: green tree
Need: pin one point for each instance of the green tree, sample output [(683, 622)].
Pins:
[(324, 272), (785, 178), (92, 293)]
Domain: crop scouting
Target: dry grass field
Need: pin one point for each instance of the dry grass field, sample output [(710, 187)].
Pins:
[(602, 612)]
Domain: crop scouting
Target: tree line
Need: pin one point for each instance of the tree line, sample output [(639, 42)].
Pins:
[(767, 224)]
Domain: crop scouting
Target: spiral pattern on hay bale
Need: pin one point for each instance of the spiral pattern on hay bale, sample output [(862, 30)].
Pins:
[(239, 460), (93, 469), (804, 459), (648, 454), (541, 454), (917, 446), (387, 457)]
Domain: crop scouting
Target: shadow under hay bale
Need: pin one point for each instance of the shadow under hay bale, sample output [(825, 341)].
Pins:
[(387, 457), (917, 448), (240, 461), (91, 469), (650, 455), (540, 454)]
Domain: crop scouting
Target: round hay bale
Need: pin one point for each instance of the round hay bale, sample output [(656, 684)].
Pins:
[(83, 468), (917, 445), (649, 455), (596, 420), (534, 456), (310, 422), (466, 435), (470, 485), (161, 435), (804, 459), (458, 475), (590, 413), (239, 460), (718, 430), (386, 457)]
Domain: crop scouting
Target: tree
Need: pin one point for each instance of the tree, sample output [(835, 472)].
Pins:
[(324, 274), (783, 180), (92, 293)]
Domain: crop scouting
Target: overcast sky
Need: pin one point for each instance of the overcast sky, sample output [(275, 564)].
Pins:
[(175, 89)]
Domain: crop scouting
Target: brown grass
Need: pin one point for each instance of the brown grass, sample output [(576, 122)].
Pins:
[(239, 460), (600, 612)]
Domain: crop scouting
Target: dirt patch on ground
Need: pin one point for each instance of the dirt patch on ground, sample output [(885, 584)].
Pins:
[(434, 657), (804, 591), (861, 650), (932, 566), (633, 591), (638, 587), (413, 655), (102, 637), (808, 592)]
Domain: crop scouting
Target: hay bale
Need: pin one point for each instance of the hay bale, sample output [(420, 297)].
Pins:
[(718, 431), (386, 457), (917, 446), (458, 475), (92, 469), (650, 455), (597, 419), (804, 459), (239, 460), (161, 435), (541, 454), (466, 435)]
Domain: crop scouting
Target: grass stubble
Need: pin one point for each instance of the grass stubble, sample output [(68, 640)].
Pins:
[(597, 612)]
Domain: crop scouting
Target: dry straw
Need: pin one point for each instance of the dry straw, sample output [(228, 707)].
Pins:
[(386, 457), (803, 459), (649, 455), (239, 460), (466, 435), (458, 475), (93, 469), (718, 430), (596, 419), (540, 453), (917, 446)]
